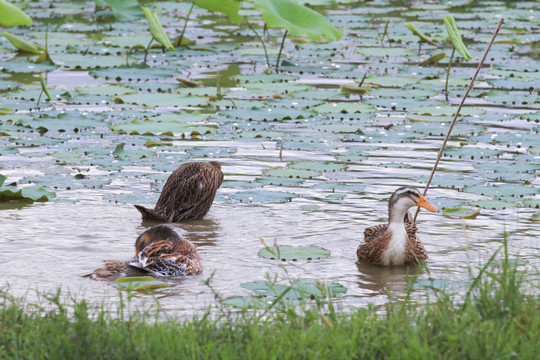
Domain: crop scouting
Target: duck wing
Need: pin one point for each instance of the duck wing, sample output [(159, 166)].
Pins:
[(189, 192), (164, 258), (373, 232)]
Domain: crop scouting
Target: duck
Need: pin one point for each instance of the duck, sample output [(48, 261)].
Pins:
[(159, 251), (396, 243), (187, 194)]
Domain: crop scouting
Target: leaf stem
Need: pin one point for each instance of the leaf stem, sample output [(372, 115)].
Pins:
[(262, 42), (448, 73), (281, 48), (185, 25), (501, 22), (147, 48)]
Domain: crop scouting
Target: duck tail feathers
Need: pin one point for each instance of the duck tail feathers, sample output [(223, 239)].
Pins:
[(148, 214)]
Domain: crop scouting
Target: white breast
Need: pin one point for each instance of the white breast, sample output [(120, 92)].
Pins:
[(395, 253)]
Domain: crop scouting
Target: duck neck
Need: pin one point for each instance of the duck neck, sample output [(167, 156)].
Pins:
[(396, 215)]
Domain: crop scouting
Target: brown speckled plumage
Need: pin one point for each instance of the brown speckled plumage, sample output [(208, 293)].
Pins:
[(377, 238), (159, 251), (396, 243), (188, 193)]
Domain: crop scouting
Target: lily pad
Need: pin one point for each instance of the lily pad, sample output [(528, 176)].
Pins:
[(143, 283), (248, 302), (288, 253), (461, 213), (24, 194), (440, 284), (299, 289), (263, 196)]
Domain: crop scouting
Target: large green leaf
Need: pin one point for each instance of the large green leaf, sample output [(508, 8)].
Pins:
[(156, 29), (123, 9), (297, 19), (25, 194), (12, 15), (227, 7)]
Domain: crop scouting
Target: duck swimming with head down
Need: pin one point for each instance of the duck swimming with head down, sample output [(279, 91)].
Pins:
[(159, 251), (188, 193), (396, 243)]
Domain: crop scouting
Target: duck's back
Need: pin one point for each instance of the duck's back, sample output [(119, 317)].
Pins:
[(189, 192)]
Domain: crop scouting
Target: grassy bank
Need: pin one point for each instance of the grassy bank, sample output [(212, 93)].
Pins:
[(499, 318)]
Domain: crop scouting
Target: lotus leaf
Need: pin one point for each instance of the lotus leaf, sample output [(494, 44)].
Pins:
[(297, 19), (143, 283), (12, 15), (288, 253)]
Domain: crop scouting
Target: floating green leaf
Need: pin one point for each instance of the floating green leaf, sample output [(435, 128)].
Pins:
[(297, 19), (247, 302), (12, 15), (294, 253), (461, 213), (142, 283), (25, 194), (299, 289), (156, 29)]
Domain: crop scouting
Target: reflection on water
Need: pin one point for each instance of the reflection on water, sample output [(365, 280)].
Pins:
[(381, 280)]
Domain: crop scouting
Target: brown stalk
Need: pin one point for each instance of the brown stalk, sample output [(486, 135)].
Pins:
[(501, 22)]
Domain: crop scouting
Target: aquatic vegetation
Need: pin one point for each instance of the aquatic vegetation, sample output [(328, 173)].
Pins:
[(12, 15), (26, 194)]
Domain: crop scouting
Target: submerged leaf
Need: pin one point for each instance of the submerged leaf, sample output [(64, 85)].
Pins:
[(293, 253), (461, 213), (142, 283)]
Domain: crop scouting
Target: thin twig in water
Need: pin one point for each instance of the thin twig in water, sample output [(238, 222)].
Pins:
[(281, 153), (236, 107), (501, 22), (364, 78)]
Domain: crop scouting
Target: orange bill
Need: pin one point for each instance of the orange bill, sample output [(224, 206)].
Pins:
[(426, 204)]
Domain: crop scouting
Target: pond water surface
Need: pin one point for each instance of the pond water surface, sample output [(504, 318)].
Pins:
[(341, 165)]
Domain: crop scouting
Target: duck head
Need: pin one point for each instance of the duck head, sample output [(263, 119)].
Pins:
[(403, 199), (156, 233)]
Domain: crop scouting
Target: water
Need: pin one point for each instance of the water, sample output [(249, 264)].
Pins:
[(50, 245), (46, 246)]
